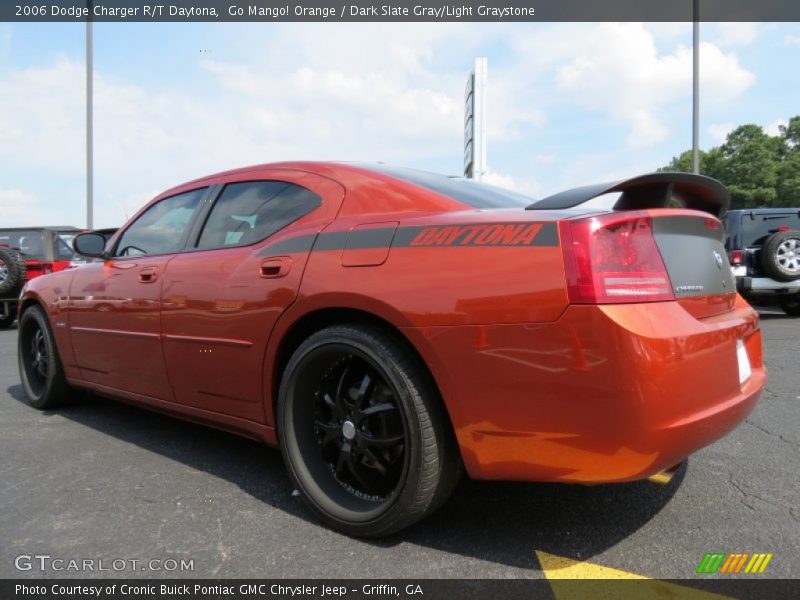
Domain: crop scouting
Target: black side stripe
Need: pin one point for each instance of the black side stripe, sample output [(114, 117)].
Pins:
[(402, 237)]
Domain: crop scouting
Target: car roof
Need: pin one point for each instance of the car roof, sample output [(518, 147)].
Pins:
[(325, 168), (354, 175)]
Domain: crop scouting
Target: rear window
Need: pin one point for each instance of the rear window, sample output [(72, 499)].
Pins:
[(460, 189), (755, 230), (28, 243)]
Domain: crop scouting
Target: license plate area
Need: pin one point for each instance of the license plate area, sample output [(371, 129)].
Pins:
[(744, 362)]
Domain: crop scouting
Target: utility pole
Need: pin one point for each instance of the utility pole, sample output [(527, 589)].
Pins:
[(89, 124), (696, 87)]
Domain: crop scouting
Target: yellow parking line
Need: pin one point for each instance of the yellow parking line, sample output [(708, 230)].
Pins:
[(562, 572)]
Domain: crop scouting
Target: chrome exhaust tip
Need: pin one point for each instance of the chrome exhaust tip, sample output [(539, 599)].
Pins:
[(665, 476)]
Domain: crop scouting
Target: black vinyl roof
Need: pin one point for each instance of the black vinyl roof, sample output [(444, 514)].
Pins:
[(461, 189)]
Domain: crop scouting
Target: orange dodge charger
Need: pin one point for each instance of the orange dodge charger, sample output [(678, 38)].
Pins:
[(388, 328)]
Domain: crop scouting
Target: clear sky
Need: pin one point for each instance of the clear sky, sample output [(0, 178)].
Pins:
[(569, 104)]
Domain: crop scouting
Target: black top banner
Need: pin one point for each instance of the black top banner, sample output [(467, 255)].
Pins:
[(395, 11)]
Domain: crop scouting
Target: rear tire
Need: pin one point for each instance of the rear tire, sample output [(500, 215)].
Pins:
[(791, 305), (780, 256), (39, 364), (363, 431)]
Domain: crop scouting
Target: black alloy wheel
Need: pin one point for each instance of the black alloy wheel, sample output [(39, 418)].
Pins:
[(39, 364), (363, 431), (359, 428)]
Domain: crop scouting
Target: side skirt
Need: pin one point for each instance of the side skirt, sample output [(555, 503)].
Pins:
[(243, 427)]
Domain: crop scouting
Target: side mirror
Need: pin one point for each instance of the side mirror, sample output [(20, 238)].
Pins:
[(92, 245)]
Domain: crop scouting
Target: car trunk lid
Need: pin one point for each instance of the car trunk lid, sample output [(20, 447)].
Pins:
[(692, 247)]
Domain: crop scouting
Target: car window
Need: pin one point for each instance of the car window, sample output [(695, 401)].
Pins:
[(251, 211), (759, 226), (63, 242), (160, 229), (29, 243)]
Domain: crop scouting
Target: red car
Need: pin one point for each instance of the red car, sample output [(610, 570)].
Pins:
[(388, 326)]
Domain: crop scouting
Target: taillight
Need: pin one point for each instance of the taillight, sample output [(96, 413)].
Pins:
[(44, 267), (613, 259), (737, 257)]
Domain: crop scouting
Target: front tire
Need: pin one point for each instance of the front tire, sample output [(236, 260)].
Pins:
[(363, 432), (39, 364)]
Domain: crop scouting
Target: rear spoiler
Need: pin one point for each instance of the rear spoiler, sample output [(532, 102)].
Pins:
[(654, 190)]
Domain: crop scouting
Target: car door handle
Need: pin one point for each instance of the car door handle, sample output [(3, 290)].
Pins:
[(148, 275), (276, 266)]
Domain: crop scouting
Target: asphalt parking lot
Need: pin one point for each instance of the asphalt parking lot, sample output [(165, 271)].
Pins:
[(102, 480)]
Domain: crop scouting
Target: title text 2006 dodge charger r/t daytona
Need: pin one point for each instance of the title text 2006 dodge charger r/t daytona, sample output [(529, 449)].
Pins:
[(387, 327)]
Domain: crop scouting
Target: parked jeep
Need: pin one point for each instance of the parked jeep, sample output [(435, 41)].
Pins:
[(29, 252), (763, 247)]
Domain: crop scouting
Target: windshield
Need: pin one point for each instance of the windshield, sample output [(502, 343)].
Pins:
[(28, 243), (461, 189)]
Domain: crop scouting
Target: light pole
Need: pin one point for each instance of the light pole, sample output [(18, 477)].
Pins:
[(696, 87), (89, 125)]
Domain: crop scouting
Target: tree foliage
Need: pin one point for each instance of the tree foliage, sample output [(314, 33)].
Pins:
[(758, 169)]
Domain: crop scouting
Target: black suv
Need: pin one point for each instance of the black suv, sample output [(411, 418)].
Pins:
[(763, 246)]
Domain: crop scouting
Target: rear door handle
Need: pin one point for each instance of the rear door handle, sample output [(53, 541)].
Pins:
[(276, 266), (148, 275)]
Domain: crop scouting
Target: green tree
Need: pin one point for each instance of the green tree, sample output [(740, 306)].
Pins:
[(788, 187), (791, 133), (710, 163), (757, 168)]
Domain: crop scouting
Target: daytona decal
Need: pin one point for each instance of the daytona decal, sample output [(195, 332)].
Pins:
[(509, 234), (483, 234)]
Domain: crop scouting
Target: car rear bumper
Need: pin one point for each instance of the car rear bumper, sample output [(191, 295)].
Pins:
[(765, 285), (606, 393)]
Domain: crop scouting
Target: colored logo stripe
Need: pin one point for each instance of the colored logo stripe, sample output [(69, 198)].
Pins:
[(711, 562), (758, 563), (734, 563), (722, 562)]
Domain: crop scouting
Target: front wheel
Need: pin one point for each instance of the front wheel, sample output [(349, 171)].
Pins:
[(791, 305), (363, 431), (39, 365)]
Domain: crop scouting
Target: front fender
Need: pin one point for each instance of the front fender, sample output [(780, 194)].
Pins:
[(51, 292)]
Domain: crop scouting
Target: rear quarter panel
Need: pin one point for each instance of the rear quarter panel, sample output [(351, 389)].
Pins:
[(468, 280)]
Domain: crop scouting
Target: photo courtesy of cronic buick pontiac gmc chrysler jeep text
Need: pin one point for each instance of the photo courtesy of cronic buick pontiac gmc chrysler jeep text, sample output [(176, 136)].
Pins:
[(389, 328)]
